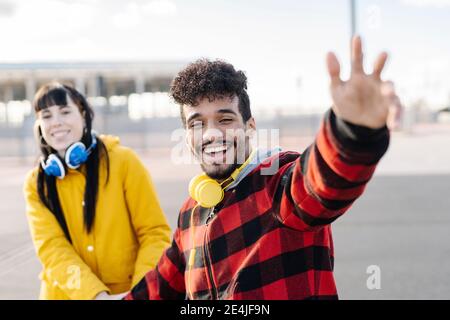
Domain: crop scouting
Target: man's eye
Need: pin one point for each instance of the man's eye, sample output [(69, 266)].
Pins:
[(196, 125), (46, 116), (226, 120)]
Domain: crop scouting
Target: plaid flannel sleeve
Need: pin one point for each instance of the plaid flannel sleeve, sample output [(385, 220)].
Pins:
[(166, 281), (330, 175)]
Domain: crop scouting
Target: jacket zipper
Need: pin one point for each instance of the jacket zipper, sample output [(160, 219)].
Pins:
[(208, 257)]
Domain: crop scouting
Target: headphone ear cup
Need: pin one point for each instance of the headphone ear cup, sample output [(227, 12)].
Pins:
[(194, 183), (209, 193), (54, 167), (76, 155), (206, 191)]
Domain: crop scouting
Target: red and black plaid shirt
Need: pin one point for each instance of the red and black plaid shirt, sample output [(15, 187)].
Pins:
[(270, 237)]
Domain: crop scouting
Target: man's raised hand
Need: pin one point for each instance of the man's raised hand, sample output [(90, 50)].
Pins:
[(364, 99)]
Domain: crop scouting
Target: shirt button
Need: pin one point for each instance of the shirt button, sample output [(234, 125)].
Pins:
[(82, 203), (55, 283), (90, 248)]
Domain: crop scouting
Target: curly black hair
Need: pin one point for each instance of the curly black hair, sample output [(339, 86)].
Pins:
[(213, 80)]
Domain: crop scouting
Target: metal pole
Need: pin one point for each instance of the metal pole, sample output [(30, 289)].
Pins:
[(353, 17)]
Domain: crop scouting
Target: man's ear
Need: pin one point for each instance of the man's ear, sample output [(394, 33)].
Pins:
[(250, 127)]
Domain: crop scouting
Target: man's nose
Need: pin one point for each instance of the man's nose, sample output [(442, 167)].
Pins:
[(212, 134)]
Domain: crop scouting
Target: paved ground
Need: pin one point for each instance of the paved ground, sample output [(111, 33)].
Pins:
[(401, 224)]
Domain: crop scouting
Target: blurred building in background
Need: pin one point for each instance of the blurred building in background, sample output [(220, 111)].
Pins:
[(131, 100), (124, 96), (106, 84)]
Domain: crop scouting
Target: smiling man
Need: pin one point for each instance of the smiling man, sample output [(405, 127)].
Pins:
[(246, 234), (218, 132)]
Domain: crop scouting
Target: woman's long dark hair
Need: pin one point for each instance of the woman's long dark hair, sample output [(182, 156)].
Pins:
[(56, 94)]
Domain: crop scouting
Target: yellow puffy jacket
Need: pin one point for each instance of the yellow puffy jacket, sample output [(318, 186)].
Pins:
[(127, 239)]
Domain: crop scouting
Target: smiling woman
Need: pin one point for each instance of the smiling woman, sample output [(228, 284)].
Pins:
[(61, 125), (86, 189)]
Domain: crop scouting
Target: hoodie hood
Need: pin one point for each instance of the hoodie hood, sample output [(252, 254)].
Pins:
[(110, 141), (257, 157)]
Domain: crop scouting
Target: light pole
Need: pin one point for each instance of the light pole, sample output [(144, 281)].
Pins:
[(353, 17)]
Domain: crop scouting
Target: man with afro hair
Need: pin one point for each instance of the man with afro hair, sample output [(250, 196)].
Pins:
[(257, 223)]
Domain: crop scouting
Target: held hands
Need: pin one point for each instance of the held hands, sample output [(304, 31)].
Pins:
[(364, 99), (105, 296)]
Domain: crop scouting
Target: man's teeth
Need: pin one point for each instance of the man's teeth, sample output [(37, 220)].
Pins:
[(215, 149)]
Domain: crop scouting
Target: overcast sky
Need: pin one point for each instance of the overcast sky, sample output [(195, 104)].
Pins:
[(280, 44)]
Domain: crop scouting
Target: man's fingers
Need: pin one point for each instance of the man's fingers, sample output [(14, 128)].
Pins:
[(334, 69), (379, 65), (357, 55), (388, 89)]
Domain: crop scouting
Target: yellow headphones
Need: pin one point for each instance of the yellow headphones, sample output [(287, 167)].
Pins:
[(207, 191)]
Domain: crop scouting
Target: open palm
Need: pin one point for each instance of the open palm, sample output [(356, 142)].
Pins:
[(364, 99)]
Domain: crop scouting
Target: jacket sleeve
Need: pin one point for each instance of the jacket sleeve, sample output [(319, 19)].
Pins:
[(62, 264), (166, 281), (149, 222), (330, 175)]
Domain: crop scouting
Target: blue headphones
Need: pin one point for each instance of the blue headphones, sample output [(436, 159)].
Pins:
[(76, 155)]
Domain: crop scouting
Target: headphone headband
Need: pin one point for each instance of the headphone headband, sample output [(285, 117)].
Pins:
[(233, 176), (93, 143)]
